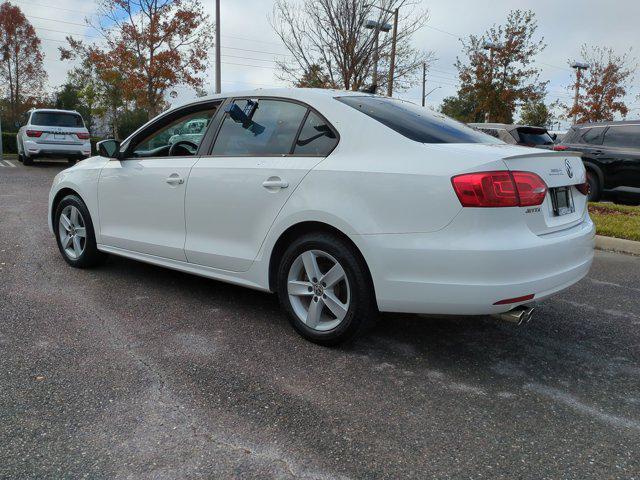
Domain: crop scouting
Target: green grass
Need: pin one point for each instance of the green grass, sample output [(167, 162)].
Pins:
[(620, 221)]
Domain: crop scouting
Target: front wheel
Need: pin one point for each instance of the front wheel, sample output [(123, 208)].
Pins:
[(75, 234), (325, 288)]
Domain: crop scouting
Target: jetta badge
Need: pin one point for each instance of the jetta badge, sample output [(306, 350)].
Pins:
[(567, 165)]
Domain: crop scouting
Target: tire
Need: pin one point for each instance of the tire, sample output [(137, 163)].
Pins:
[(71, 161), (595, 192), (78, 251), (27, 160), (311, 304)]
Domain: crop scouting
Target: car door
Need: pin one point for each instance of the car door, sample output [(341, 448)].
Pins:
[(141, 196), (263, 149), (621, 154)]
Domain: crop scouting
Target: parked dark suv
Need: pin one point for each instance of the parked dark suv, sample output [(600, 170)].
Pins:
[(611, 155)]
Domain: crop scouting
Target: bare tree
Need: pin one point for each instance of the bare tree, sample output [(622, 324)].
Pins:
[(329, 35)]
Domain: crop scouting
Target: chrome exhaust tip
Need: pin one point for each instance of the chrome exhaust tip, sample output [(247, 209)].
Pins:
[(519, 316)]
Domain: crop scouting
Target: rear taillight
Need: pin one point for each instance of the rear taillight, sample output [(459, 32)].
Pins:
[(499, 189), (34, 133), (560, 148), (83, 136), (584, 188), (507, 301)]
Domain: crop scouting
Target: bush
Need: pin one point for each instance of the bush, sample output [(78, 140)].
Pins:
[(9, 142)]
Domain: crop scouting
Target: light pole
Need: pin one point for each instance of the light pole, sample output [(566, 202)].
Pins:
[(424, 80), (377, 27), (1, 154), (394, 41), (218, 75), (491, 46), (578, 67)]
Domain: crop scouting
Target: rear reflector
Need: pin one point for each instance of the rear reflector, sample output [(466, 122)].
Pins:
[(83, 136), (560, 148), (507, 301), (34, 133), (584, 188), (499, 189)]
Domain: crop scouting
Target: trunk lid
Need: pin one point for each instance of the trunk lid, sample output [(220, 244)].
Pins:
[(564, 206)]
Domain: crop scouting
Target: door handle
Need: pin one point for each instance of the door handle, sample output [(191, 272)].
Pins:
[(175, 179), (274, 183)]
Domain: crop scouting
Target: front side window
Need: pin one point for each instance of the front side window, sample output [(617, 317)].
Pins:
[(259, 128), (623, 136), (316, 137), (416, 123), (57, 119), (181, 137)]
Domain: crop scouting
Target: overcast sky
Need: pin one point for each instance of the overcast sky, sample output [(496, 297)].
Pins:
[(247, 38)]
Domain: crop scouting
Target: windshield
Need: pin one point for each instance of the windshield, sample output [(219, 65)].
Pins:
[(57, 119), (416, 123), (538, 136)]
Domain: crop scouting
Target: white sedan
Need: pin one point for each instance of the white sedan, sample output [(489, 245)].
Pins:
[(343, 203)]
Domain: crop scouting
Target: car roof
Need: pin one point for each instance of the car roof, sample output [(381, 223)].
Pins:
[(506, 126), (607, 124), (53, 110)]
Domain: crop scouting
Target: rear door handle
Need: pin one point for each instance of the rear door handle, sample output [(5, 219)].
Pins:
[(274, 183), (175, 179)]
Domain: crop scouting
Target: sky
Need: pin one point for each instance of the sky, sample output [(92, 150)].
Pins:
[(250, 47)]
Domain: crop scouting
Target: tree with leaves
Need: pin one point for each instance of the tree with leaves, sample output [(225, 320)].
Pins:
[(463, 108), (314, 77), (536, 114), (154, 44), (498, 71), (21, 73), (604, 85), (329, 36)]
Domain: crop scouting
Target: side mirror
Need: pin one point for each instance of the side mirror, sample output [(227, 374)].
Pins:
[(109, 148)]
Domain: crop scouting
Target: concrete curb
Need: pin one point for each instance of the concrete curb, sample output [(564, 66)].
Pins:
[(617, 245)]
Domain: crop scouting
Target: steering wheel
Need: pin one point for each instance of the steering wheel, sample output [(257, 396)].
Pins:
[(182, 148)]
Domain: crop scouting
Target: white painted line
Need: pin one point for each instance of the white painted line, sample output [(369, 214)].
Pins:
[(10, 164), (2, 164)]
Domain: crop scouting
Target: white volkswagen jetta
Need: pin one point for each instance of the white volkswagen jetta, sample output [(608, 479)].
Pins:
[(343, 203)]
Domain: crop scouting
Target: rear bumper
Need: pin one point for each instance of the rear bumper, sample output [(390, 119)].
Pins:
[(461, 273), (52, 150)]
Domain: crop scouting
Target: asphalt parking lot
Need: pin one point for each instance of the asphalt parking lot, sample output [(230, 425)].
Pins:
[(133, 371)]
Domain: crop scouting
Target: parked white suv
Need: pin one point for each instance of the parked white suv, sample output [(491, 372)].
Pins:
[(48, 133)]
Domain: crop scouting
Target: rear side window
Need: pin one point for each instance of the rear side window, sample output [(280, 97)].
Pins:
[(414, 122), (534, 136), (57, 119), (593, 136), (316, 137), (623, 136), (259, 128)]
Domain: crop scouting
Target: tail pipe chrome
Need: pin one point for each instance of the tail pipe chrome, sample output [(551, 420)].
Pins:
[(519, 315)]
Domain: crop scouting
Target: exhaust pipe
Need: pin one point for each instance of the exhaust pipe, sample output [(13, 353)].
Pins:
[(519, 315)]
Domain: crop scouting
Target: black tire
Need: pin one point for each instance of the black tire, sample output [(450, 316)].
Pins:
[(595, 192), (20, 158), (27, 160), (71, 161), (362, 309), (90, 255)]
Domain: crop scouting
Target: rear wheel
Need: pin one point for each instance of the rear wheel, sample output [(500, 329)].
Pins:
[(325, 288), (595, 191), (71, 161), (75, 234), (27, 160)]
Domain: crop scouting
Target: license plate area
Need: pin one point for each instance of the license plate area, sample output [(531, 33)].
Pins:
[(562, 201), (59, 136)]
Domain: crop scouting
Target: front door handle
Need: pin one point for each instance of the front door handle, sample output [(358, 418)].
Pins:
[(273, 183), (175, 179)]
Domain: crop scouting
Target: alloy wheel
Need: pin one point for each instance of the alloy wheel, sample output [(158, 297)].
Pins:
[(72, 232), (318, 290)]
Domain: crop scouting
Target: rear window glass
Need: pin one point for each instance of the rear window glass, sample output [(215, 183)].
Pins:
[(416, 123), (57, 119), (593, 136), (537, 136), (623, 136)]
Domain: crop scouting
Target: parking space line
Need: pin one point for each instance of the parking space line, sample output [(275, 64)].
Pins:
[(10, 163)]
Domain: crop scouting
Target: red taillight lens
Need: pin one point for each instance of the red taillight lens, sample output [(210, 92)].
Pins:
[(83, 136), (507, 301), (560, 148), (530, 187), (499, 189), (34, 133), (584, 188)]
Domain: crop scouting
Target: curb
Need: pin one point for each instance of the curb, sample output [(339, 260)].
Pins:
[(619, 245)]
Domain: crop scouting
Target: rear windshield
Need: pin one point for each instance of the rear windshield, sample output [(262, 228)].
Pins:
[(57, 119), (534, 136), (416, 123)]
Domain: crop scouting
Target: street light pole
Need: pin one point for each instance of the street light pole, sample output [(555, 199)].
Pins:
[(424, 80), (218, 73), (377, 27), (491, 46), (578, 67), (1, 153), (392, 65)]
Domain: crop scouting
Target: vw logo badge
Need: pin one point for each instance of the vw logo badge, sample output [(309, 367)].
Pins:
[(567, 165)]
